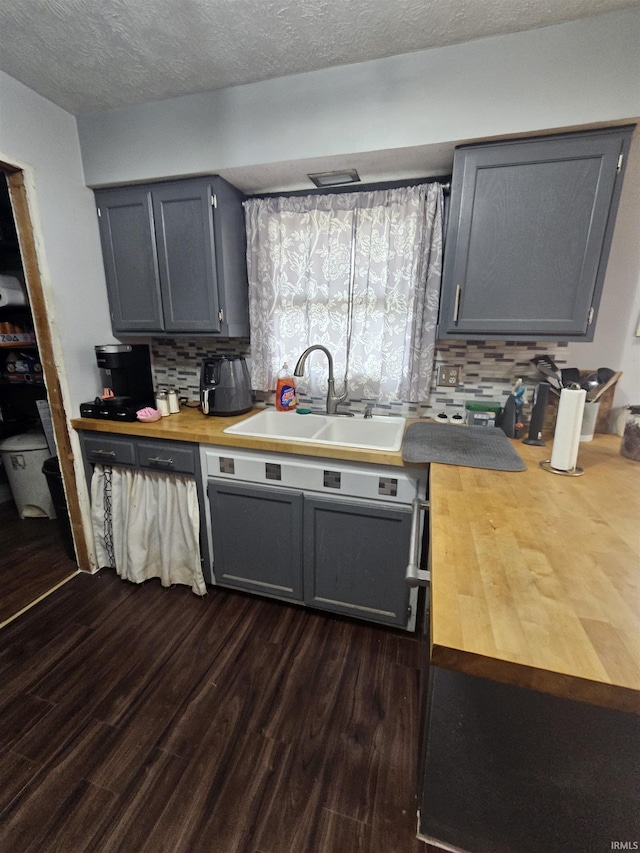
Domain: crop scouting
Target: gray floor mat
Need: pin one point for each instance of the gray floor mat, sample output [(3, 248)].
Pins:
[(475, 447)]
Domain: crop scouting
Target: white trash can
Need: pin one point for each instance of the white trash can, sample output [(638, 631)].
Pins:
[(23, 456)]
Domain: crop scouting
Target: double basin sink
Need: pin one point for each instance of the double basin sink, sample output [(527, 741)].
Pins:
[(376, 433)]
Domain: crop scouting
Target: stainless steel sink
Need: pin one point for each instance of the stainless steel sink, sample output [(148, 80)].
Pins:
[(377, 433)]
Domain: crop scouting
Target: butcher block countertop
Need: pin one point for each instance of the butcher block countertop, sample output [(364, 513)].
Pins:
[(192, 425), (535, 576)]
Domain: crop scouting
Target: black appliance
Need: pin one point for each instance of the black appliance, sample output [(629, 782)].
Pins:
[(127, 384), (541, 398), (225, 386)]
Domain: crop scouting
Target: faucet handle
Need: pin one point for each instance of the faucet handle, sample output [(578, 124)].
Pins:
[(368, 411)]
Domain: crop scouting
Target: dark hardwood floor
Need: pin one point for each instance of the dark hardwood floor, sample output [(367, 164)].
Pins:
[(32, 559), (139, 719)]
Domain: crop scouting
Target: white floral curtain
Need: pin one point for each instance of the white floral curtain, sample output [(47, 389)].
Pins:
[(357, 272)]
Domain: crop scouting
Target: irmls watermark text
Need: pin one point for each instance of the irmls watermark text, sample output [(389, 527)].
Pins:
[(625, 845)]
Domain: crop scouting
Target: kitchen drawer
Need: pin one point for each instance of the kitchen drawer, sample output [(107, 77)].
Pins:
[(173, 456), (109, 451)]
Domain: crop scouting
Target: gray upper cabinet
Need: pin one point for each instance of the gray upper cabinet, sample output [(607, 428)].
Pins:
[(174, 256), (183, 217), (130, 260), (530, 226)]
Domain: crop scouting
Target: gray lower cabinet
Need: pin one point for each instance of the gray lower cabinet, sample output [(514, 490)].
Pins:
[(257, 538), (338, 555), (530, 226), (178, 457), (150, 454), (355, 559), (175, 257)]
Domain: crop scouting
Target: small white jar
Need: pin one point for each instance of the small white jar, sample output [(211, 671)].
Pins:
[(162, 403)]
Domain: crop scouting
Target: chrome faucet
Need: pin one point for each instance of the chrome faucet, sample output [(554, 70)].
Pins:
[(332, 398)]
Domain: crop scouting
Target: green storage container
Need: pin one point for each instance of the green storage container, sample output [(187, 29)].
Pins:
[(482, 412)]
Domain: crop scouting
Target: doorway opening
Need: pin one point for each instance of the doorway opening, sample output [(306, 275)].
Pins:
[(35, 554)]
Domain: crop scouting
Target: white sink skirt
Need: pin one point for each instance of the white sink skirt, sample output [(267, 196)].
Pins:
[(146, 525)]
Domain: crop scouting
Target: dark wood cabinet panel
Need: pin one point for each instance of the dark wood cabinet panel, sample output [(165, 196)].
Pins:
[(530, 227), (525, 754)]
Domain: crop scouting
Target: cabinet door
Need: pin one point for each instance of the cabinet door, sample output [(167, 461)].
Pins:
[(529, 235), (129, 254), (355, 558), (183, 214), (257, 538)]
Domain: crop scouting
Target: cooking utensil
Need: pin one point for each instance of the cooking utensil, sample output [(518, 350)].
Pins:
[(595, 381), (570, 375), (596, 393), (590, 382), (508, 417), (548, 368), (604, 374), (540, 399)]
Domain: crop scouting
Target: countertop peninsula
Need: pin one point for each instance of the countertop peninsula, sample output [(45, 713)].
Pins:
[(535, 576)]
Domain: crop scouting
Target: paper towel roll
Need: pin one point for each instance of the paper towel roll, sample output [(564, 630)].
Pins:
[(11, 292), (566, 439)]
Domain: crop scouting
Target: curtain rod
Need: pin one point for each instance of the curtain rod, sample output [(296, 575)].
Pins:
[(377, 185)]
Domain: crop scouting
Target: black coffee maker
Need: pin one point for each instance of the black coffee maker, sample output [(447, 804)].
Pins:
[(127, 384)]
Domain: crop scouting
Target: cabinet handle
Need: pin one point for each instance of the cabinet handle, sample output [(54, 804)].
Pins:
[(104, 454), (157, 460), (456, 307), (414, 575)]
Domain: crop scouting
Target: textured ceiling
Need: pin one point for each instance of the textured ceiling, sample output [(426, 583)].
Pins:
[(87, 55)]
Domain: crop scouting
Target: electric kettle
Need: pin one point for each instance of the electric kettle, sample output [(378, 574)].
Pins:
[(225, 386)]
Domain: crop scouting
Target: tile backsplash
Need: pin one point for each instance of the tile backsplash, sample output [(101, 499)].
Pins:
[(175, 362), (488, 370)]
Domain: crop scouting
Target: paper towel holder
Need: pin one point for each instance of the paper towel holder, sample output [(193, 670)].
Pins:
[(574, 472)]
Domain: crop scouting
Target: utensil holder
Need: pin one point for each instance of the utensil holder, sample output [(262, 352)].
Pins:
[(589, 418)]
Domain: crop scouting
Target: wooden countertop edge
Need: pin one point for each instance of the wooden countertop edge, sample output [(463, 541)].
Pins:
[(559, 684), (194, 427)]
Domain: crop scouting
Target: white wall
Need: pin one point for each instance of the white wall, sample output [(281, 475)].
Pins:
[(41, 138), (554, 77), (570, 75), (615, 343)]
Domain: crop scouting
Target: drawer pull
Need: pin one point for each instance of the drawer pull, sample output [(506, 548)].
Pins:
[(104, 454), (414, 575), (158, 460)]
